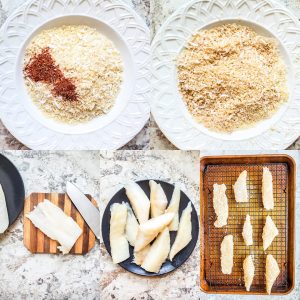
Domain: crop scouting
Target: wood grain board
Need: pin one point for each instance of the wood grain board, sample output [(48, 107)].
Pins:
[(226, 169), (37, 242)]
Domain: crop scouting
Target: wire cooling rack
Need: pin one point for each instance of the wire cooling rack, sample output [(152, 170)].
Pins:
[(228, 174)]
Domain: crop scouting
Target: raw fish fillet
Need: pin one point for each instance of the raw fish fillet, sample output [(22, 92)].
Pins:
[(174, 207), (227, 254), (247, 231), (140, 255), (272, 272), (132, 226), (240, 188), (4, 221), (267, 189), (158, 252), (249, 270), (158, 199), (220, 204), (149, 230), (118, 242), (184, 234), (54, 223), (139, 201), (270, 231)]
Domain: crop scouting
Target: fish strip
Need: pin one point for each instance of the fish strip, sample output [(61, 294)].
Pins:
[(118, 243), (267, 189), (54, 223), (220, 203), (240, 188), (4, 221)]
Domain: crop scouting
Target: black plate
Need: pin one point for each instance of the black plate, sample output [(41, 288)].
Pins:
[(180, 257), (13, 188)]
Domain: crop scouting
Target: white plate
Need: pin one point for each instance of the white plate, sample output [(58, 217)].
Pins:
[(131, 111), (266, 18)]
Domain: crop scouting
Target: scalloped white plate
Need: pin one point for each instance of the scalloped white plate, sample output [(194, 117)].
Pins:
[(266, 18), (131, 110)]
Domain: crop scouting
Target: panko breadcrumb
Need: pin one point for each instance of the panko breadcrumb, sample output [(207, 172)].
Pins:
[(230, 77), (86, 57)]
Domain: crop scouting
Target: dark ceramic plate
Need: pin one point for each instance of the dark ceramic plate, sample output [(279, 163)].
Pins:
[(13, 188), (180, 257)]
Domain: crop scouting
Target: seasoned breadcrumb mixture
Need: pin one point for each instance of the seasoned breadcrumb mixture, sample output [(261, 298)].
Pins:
[(231, 78), (86, 57)]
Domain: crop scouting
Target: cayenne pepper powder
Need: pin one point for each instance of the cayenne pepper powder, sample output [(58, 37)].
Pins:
[(42, 67)]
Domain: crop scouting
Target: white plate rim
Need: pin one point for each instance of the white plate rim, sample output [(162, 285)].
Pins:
[(168, 117), (120, 18)]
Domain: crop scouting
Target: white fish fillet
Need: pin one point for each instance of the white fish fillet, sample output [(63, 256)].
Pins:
[(132, 226), (240, 188), (184, 234), (247, 231), (270, 231), (267, 189), (140, 255), (158, 199), (158, 253), (227, 254), (139, 201), (220, 203), (272, 272), (54, 223), (249, 270), (174, 207), (149, 230), (118, 242), (4, 221)]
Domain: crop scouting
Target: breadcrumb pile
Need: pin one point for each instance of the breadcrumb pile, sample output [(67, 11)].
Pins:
[(231, 78), (86, 57)]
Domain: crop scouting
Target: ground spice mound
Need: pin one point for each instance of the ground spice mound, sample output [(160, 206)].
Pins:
[(231, 78), (85, 66), (42, 67)]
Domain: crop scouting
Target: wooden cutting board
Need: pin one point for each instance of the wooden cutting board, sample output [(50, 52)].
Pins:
[(37, 242)]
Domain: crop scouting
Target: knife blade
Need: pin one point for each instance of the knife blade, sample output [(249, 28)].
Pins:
[(86, 208)]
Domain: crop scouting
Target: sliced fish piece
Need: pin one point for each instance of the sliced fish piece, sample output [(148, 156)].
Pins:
[(54, 223), (149, 230), (140, 255), (174, 208), (227, 254), (220, 203), (184, 233), (247, 231), (4, 221), (249, 270), (272, 272), (132, 226), (240, 188), (270, 231), (118, 243), (158, 199), (139, 201), (158, 252), (267, 189)]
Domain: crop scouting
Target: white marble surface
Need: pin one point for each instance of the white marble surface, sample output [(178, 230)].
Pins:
[(42, 276), (142, 139), (174, 167)]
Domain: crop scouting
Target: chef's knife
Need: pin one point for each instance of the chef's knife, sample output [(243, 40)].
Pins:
[(89, 212)]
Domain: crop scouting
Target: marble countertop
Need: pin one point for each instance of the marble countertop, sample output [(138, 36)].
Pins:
[(142, 139), (176, 166), (42, 276)]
